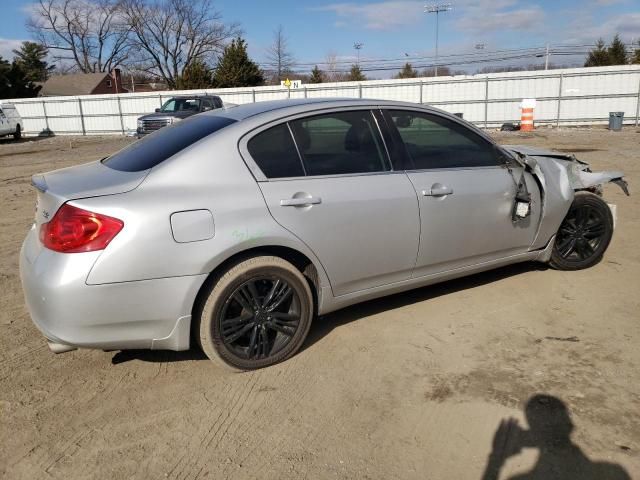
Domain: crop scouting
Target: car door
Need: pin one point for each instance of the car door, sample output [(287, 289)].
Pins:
[(328, 180), (465, 192), (5, 128)]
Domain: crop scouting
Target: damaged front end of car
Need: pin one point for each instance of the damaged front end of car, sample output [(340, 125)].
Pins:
[(559, 177)]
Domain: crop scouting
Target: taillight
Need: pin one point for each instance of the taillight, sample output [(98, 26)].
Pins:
[(74, 230)]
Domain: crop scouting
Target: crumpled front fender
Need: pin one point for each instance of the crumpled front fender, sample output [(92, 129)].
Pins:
[(560, 176)]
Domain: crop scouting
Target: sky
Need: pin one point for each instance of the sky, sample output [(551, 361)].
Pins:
[(400, 28)]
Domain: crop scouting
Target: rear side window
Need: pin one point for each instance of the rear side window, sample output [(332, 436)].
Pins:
[(436, 142), (275, 153), (156, 148), (340, 143)]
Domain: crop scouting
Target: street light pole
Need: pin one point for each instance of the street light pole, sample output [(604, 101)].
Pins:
[(442, 7)]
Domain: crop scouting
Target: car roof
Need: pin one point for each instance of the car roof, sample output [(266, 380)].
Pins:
[(301, 105)]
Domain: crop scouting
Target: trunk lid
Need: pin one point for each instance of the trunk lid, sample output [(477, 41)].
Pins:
[(83, 181)]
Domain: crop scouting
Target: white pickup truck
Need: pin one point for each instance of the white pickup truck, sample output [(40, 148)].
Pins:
[(10, 121)]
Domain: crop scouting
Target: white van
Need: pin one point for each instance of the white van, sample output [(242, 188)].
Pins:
[(10, 121)]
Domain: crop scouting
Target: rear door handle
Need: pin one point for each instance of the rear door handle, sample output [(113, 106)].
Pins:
[(438, 190), (300, 202)]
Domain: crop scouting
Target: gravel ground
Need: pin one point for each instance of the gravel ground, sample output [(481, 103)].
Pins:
[(410, 386)]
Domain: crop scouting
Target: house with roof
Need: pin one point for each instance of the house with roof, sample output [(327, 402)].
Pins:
[(83, 84)]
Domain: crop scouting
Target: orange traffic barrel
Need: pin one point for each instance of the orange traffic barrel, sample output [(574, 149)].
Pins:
[(526, 120)]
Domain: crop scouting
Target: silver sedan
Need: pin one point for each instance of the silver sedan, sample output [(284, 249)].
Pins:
[(235, 228)]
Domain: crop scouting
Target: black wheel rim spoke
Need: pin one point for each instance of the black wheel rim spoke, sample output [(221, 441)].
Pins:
[(581, 233), (260, 317)]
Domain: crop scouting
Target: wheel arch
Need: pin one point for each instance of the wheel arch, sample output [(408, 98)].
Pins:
[(298, 259)]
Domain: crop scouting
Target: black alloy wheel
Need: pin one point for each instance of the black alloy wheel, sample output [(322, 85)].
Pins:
[(255, 314), (584, 234), (260, 317)]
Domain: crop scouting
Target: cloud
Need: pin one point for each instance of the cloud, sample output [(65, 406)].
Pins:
[(587, 29), (489, 16), (606, 3), (6, 47), (473, 16), (389, 15)]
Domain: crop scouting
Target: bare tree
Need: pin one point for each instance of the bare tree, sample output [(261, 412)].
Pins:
[(333, 73), (169, 35), (90, 35), (279, 58)]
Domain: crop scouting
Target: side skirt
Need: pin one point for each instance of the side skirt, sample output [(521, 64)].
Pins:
[(331, 303)]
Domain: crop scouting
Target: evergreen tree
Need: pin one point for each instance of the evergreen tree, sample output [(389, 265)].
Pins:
[(355, 74), (31, 59), (14, 83), (617, 52), (599, 56), (317, 76), (407, 72), (236, 69), (635, 58), (195, 75)]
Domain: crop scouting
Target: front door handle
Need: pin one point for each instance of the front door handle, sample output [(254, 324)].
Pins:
[(300, 201), (438, 190)]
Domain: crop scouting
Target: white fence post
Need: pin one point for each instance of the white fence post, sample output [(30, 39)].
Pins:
[(486, 102), (638, 104), (120, 114), (46, 119), (84, 131), (559, 101)]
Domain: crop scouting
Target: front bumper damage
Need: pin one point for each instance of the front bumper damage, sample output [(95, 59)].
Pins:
[(576, 174)]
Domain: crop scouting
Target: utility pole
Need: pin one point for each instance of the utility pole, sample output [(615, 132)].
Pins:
[(546, 59), (442, 7), (358, 46)]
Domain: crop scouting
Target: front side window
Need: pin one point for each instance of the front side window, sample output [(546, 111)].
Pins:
[(275, 153), (340, 143), (436, 142)]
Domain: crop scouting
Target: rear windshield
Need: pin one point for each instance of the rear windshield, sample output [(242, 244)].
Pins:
[(156, 148)]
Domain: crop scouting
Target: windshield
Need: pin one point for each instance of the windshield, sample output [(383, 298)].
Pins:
[(181, 105)]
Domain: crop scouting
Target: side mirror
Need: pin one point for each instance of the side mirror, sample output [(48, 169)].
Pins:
[(158, 110), (206, 109)]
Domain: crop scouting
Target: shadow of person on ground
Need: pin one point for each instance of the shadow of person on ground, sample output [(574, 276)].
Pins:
[(550, 429)]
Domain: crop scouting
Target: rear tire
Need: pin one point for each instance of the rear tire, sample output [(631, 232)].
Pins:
[(584, 235), (257, 314), (18, 134)]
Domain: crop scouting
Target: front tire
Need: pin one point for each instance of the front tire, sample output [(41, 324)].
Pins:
[(584, 235), (257, 314), (18, 134)]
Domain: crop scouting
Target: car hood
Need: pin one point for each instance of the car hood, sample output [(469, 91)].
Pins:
[(182, 114), (569, 173)]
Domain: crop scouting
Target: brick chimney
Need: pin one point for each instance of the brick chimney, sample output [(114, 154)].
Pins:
[(117, 80)]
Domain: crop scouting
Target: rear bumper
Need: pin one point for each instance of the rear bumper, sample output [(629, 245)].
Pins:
[(141, 314)]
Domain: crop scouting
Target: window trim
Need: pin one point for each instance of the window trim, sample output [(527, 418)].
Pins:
[(261, 177), (408, 161)]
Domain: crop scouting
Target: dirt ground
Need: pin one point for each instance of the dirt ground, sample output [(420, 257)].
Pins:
[(413, 386)]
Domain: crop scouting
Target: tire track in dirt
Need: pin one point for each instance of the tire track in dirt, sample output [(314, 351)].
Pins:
[(210, 428)]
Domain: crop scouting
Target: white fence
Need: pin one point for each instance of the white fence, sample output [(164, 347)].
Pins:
[(564, 97)]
